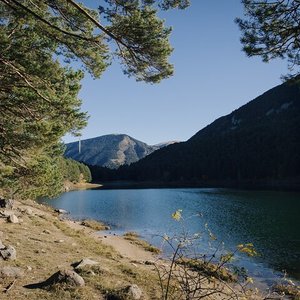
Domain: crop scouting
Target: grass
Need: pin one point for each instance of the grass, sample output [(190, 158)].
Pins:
[(135, 239), (289, 290), (39, 251), (208, 269), (95, 225)]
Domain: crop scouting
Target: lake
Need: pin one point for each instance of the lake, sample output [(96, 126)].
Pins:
[(269, 220)]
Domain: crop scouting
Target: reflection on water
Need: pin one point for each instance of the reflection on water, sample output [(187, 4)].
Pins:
[(270, 220)]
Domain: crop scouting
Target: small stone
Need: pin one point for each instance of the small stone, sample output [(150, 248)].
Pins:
[(29, 268), (59, 241), (29, 211), (8, 253), (11, 272), (1, 245), (134, 292), (47, 231), (7, 203), (6, 213), (92, 273), (74, 245), (85, 262), (61, 211), (13, 219)]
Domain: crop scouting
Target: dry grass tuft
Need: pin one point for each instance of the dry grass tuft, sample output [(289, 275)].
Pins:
[(135, 239), (95, 225)]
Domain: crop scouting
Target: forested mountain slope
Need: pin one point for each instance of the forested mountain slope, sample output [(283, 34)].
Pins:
[(260, 140)]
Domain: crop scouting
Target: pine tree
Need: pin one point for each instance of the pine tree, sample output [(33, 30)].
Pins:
[(39, 90)]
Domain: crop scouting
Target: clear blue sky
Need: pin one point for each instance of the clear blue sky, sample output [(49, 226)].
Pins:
[(212, 78)]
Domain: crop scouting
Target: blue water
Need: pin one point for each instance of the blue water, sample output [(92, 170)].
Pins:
[(269, 220)]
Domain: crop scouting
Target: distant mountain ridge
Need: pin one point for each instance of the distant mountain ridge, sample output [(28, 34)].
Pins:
[(260, 141), (111, 151)]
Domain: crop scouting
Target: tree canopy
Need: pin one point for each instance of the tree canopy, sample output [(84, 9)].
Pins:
[(39, 90), (271, 29)]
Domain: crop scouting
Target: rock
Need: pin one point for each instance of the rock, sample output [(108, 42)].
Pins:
[(8, 253), (59, 241), (84, 263), (13, 219), (7, 203), (134, 292), (29, 211), (6, 213), (1, 245), (61, 211), (29, 268), (66, 276), (11, 272), (47, 231)]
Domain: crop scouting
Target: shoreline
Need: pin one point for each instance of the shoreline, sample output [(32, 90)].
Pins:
[(45, 242), (70, 186), (273, 185)]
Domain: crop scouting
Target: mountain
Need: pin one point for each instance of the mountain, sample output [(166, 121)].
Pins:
[(111, 150), (258, 141)]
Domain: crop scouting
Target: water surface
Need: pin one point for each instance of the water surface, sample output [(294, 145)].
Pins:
[(269, 220)]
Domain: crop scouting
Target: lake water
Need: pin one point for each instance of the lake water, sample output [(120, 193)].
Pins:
[(269, 220)]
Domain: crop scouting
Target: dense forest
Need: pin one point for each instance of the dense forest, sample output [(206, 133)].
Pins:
[(46, 177), (259, 141)]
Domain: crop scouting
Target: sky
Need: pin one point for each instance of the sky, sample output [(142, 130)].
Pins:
[(212, 78)]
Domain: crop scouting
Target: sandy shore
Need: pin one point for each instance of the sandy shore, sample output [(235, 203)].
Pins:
[(124, 247)]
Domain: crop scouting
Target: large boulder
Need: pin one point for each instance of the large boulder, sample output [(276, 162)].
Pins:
[(67, 277)]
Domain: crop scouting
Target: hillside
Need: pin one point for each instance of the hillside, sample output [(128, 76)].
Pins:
[(258, 141), (111, 150)]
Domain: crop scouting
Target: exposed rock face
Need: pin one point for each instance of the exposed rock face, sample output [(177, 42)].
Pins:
[(111, 150)]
